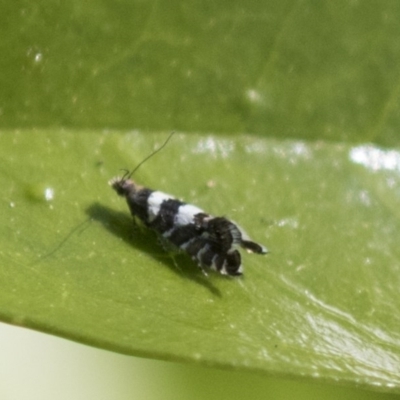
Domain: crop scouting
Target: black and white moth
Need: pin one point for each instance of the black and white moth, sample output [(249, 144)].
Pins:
[(211, 241)]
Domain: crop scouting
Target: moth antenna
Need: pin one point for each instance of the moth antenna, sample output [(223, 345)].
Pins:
[(126, 173), (129, 175)]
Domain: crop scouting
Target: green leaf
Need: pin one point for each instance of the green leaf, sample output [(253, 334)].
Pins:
[(323, 304), (299, 69)]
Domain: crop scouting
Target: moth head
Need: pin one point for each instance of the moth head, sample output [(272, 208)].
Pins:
[(123, 185)]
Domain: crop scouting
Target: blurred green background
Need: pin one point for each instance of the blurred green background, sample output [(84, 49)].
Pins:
[(37, 366), (300, 69), (308, 71)]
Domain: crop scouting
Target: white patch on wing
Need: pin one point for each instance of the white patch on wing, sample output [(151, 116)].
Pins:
[(154, 202), (186, 214)]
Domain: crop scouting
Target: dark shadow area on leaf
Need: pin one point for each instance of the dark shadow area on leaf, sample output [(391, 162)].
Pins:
[(121, 224)]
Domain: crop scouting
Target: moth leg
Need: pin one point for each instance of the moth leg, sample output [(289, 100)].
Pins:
[(203, 270), (173, 258), (166, 244), (137, 226)]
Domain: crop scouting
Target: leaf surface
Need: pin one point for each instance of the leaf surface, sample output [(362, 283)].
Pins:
[(324, 303)]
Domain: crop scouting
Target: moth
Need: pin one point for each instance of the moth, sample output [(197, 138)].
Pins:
[(213, 242)]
